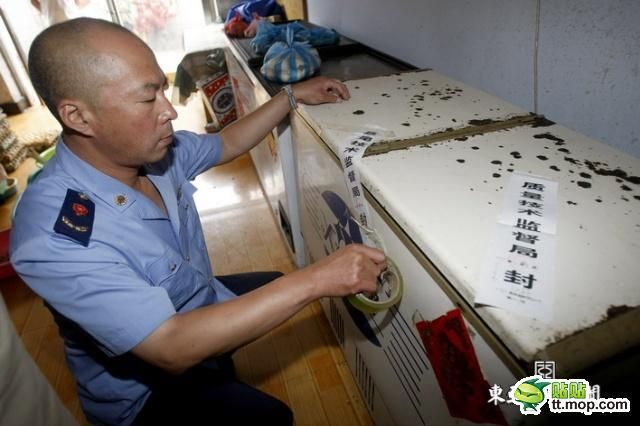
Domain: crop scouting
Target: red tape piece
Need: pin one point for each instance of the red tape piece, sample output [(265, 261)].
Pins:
[(454, 361)]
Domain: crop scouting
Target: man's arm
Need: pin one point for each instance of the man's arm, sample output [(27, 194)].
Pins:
[(186, 339), (247, 132)]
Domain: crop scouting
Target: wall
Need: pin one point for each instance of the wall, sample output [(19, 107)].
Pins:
[(588, 52)]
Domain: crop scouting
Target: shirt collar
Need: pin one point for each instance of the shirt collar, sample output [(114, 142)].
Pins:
[(110, 190)]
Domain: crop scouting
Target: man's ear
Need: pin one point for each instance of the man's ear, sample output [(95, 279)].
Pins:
[(76, 115)]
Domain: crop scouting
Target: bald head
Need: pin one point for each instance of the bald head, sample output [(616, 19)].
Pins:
[(72, 60)]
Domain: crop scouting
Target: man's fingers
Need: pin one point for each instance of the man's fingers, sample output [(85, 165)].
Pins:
[(339, 89)]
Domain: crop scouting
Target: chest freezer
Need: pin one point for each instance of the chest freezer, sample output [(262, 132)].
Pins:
[(274, 159), (434, 189)]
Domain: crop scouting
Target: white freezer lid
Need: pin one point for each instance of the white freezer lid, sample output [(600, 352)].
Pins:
[(449, 209), (406, 106)]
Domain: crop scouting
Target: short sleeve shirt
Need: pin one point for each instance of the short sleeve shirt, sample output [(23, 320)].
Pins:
[(140, 266)]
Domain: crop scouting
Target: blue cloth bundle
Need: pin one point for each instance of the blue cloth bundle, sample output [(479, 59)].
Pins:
[(290, 61)]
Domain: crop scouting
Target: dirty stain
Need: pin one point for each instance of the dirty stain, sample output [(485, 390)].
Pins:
[(484, 122), (549, 136), (460, 160), (596, 168), (555, 168), (583, 184), (542, 121), (358, 112), (614, 311), (542, 157), (516, 155)]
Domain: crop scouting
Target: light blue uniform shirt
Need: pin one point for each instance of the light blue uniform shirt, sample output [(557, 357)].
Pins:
[(140, 267)]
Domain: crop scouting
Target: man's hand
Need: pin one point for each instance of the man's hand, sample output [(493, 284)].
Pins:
[(350, 270), (320, 90)]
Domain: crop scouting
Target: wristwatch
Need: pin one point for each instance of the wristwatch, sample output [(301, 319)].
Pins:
[(292, 99)]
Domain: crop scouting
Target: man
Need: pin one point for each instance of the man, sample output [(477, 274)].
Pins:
[(109, 237)]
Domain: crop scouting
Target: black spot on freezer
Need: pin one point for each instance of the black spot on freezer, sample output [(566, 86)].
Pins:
[(571, 203), (585, 175), (482, 122), (637, 197), (358, 112), (406, 124), (542, 157), (475, 148), (549, 136), (356, 87), (583, 184), (496, 162), (555, 168), (445, 98), (625, 188), (619, 173), (565, 150), (510, 170), (496, 175), (516, 155), (598, 200), (572, 160), (460, 160), (542, 122), (462, 138)]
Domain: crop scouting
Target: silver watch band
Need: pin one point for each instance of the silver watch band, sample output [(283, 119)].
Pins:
[(292, 99)]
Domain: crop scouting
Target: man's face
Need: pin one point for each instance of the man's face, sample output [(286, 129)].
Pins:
[(133, 125)]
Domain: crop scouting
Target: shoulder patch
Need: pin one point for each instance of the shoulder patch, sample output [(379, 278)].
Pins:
[(76, 217)]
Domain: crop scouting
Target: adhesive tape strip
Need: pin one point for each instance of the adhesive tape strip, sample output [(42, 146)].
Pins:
[(391, 279)]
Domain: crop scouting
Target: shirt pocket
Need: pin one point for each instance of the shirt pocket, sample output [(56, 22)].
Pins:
[(171, 272)]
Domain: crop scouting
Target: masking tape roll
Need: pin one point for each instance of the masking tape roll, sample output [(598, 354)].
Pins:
[(390, 278)]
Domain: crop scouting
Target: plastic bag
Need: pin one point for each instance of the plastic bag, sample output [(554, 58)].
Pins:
[(268, 34), (290, 61), (248, 8), (252, 29), (235, 27)]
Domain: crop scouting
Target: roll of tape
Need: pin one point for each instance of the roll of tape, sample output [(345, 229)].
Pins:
[(390, 279)]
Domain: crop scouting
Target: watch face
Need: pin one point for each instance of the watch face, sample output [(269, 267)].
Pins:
[(222, 101)]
